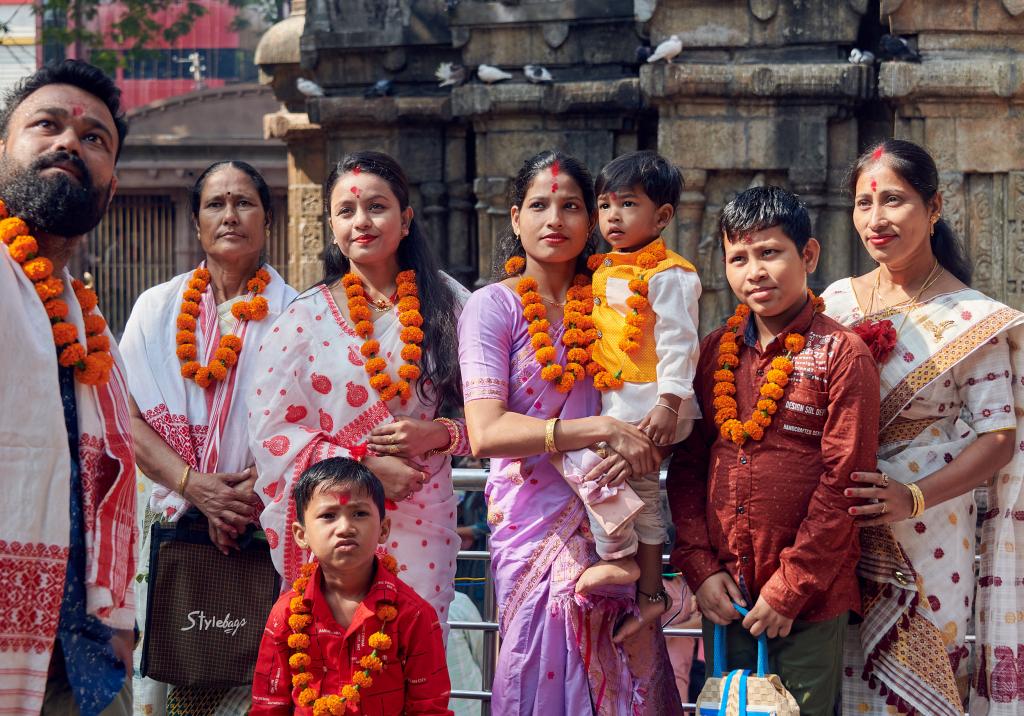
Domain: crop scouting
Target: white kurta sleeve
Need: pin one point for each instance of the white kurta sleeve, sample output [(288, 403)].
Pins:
[(673, 294)]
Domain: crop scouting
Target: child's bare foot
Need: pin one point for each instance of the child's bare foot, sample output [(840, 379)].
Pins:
[(605, 573), (650, 613)]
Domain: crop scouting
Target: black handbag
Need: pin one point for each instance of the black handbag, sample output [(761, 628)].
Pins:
[(206, 611)]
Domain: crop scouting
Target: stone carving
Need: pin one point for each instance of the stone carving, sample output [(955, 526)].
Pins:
[(764, 10)]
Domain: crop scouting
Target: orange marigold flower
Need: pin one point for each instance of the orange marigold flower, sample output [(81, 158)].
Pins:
[(380, 381), (306, 696), (724, 389), (379, 640), (202, 274), (371, 662), (22, 247), (595, 261), (307, 569), (387, 612), (364, 329), (298, 622), (565, 382), (546, 355), (362, 680), (359, 300), (203, 377), (752, 429), (635, 319), (639, 285), (298, 641), (226, 356), (94, 343), (772, 391), (93, 372), (739, 435), (12, 227), (526, 285), (411, 318), (724, 376), (779, 377), (411, 353), (593, 368), (638, 303), (411, 334), (354, 291), (232, 342), (730, 347), (767, 406), (406, 289), (390, 392), (72, 355), (301, 679), (743, 310), (49, 288), (551, 372), (218, 371), (541, 325), (38, 268), (601, 380), (591, 334), (725, 414), (188, 370), (240, 310), (350, 693), (187, 351), (724, 401), (761, 419), (627, 345), (3, 210), (540, 340), (192, 295), (359, 313), (56, 309), (300, 584), (576, 370), (573, 336), (578, 355), (646, 260), (258, 308), (615, 382), (727, 428), (530, 297), (727, 361), (197, 285), (350, 279), (254, 285), (782, 363), (94, 324), (263, 275), (404, 390), (734, 322), (406, 276), (64, 333), (370, 348), (189, 308), (534, 311), (408, 303), (297, 605), (408, 372), (389, 562), (375, 365), (795, 343), (632, 332)]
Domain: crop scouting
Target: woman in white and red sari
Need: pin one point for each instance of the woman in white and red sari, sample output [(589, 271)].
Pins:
[(363, 361), (190, 349)]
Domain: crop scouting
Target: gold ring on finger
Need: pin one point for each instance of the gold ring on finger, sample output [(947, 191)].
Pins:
[(885, 481), (884, 508)]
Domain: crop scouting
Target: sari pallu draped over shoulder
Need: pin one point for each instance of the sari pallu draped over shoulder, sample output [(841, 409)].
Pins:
[(914, 654), (35, 528), (207, 428), (311, 400), (557, 655)]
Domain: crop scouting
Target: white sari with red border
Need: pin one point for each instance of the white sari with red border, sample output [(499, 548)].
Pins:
[(35, 522)]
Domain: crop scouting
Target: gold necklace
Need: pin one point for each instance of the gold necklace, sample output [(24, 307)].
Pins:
[(890, 310)]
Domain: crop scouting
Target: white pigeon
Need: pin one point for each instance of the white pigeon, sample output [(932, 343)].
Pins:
[(450, 74), (667, 50), (491, 74), (861, 57), (309, 87), (537, 74)]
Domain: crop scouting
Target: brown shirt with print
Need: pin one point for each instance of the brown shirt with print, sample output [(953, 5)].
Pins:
[(772, 513)]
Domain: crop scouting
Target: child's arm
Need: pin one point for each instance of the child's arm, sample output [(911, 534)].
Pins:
[(427, 684), (849, 442), (272, 678), (673, 294)]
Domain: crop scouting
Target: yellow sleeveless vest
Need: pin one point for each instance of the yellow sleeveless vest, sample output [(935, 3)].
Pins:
[(641, 366)]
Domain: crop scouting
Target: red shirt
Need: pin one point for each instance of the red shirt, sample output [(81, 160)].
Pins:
[(772, 513), (415, 675)]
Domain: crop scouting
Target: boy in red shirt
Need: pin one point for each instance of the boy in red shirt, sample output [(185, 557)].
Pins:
[(349, 633), (759, 489)]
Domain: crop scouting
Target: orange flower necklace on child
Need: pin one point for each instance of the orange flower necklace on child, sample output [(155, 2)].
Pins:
[(93, 361), (299, 661), (579, 328), (226, 355), (412, 334), (648, 258), (775, 380)]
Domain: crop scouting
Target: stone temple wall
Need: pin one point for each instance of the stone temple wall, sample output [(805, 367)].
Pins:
[(762, 93)]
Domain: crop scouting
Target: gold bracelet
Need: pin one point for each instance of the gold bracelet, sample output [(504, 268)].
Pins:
[(549, 435), (918, 499), (183, 482), (453, 437), (669, 408)]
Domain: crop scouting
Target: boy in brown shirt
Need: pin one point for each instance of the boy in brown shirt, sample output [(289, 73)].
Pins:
[(790, 399)]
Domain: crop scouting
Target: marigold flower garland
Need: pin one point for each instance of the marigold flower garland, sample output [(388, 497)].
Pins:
[(299, 620), (412, 334), (230, 347), (92, 362), (579, 331), (775, 380), (640, 305)]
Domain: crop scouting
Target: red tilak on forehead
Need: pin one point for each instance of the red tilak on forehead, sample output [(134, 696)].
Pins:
[(77, 110), (877, 154), (874, 185), (614, 196), (554, 168), (554, 187), (357, 169), (343, 499), (355, 190)]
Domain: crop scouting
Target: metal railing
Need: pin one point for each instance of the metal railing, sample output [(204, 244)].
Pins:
[(473, 480)]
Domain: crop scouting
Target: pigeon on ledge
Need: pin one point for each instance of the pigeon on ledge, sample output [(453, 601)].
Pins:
[(895, 48), (667, 50), (861, 57), (450, 75), (309, 87), (380, 88), (491, 74), (537, 74)]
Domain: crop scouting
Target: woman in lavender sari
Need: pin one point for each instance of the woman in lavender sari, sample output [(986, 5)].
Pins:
[(558, 655)]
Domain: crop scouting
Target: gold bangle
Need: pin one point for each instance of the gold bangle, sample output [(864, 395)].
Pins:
[(183, 482), (669, 408), (918, 499), (549, 435)]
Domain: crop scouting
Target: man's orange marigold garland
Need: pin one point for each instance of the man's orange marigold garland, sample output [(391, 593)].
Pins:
[(579, 331), (640, 305), (412, 334), (775, 380), (92, 362), (227, 353), (298, 641)]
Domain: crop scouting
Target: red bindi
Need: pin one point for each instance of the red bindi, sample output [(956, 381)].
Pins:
[(357, 170), (554, 168), (874, 185), (77, 110), (877, 154), (614, 196), (355, 190), (554, 187), (343, 499)]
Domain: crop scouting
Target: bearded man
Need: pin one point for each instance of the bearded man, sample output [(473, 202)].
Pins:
[(67, 513)]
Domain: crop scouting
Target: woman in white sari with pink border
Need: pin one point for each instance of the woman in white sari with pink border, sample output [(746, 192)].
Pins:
[(334, 378), (951, 378)]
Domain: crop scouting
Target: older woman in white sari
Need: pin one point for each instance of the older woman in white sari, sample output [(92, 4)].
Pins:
[(189, 348), (951, 370)]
